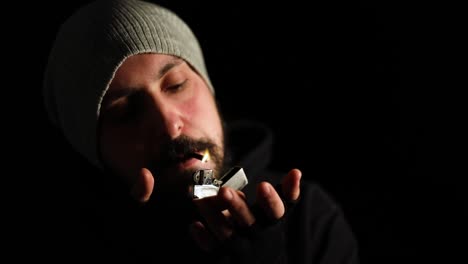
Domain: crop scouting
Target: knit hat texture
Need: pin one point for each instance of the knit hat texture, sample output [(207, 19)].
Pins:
[(89, 48)]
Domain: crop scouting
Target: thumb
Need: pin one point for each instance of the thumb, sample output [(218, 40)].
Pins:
[(143, 186)]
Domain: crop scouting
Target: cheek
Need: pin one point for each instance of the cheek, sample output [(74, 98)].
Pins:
[(200, 111), (213, 124), (202, 115)]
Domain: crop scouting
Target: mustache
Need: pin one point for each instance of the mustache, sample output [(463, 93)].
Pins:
[(183, 147)]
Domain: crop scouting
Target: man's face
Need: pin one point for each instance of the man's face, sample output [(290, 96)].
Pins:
[(157, 112)]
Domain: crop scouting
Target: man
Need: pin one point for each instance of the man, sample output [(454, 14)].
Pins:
[(127, 86)]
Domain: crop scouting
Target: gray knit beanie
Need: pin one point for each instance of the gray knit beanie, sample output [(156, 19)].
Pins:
[(89, 48)]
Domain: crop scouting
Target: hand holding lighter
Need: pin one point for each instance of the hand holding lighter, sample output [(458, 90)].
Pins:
[(207, 185)]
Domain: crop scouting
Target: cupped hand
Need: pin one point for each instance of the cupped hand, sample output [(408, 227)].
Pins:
[(228, 212)]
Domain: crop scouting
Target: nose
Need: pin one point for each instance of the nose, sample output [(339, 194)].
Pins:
[(167, 118)]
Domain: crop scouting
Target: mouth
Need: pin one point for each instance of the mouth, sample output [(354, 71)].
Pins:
[(196, 156), (188, 160)]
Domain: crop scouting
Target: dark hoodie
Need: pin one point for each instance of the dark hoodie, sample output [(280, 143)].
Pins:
[(313, 230)]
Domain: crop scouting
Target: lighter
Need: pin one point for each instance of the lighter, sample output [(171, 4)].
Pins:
[(207, 185)]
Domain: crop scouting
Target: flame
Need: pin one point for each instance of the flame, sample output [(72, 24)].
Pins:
[(206, 156)]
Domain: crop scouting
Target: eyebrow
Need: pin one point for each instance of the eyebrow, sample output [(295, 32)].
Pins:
[(168, 66), (127, 91)]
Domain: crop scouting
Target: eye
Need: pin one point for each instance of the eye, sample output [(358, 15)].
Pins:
[(125, 109), (176, 87)]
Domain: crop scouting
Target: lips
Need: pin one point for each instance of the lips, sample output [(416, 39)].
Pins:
[(186, 163), (189, 160), (196, 155), (182, 160)]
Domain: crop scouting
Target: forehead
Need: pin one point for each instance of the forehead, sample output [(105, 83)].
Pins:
[(137, 70), (145, 65)]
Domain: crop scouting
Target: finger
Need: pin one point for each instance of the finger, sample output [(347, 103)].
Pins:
[(291, 185), (237, 206), (143, 186), (204, 239), (241, 194), (217, 221), (269, 201)]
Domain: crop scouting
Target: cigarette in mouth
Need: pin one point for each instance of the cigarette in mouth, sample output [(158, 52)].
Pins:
[(197, 156)]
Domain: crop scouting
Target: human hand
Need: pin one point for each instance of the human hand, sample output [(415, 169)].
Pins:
[(228, 212)]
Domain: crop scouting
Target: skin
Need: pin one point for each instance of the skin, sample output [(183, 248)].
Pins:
[(152, 99)]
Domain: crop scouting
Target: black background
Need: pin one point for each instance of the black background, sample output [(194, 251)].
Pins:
[(359, 94)]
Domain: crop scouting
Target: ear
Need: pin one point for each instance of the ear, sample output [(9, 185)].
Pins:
[(143, 187)]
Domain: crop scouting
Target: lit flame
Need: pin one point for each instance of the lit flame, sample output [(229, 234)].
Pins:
[(206, 156)]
